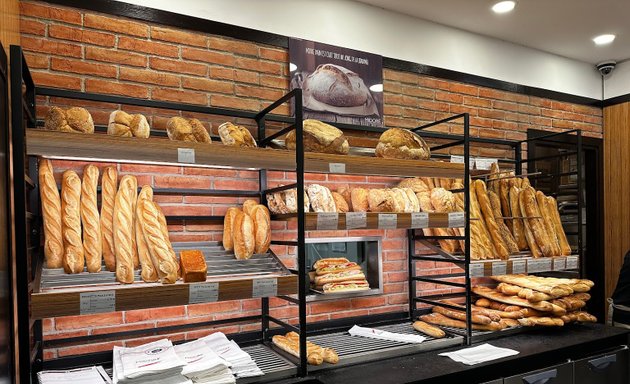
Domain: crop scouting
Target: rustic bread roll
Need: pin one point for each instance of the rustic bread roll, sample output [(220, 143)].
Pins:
[(193, 266), (228, 227), (159, 245), (51, 212), (92, 239), (244, 237), (248, 205), (320, 137), (541, 199), (236, 135), (381, 200), (552, 207), (337, 86), (181, 129), (340, 202), (321, 199), (442, 200), (291, 201), (73, 120), (416, 184), (397, 143), (276, 204), (149, 272), (123, 124), (413, 199), (124, 238), (109, 187), (346, 193), (359, 197), (262, 228), (73, 258)]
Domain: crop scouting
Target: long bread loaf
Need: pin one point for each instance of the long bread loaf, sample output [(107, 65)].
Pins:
[(73, 256), (149, 272), (109, 188), (92, 239), (51, 212)]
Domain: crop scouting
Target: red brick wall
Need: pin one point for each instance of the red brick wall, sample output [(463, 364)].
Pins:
[(74, 49)]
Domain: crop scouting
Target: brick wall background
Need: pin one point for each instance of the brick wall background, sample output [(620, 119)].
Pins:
[(79, 50)]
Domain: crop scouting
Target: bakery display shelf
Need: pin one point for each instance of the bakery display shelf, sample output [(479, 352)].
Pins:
[(273, 365), (316, 221), (58, 145), (523, 263), (488, 335), (61, 294)]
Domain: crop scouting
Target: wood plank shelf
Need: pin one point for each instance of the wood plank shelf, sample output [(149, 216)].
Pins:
[(100, 147), (523, 264), (369, 220)]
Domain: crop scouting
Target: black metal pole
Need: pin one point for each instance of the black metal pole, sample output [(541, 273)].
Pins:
[(467, 228), (412, 273), (262, 185), (580, 193)]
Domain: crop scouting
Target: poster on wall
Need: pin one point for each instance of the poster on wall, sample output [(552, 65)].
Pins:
[(339, 85)]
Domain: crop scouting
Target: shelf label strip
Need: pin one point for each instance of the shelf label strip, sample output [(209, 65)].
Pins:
[(538, 265), (456, 220), (419, 220), (337, 167), (264, 287), (203, 293), (186, 155), (572, 262), (559, 263), (499, 268), (97, 302), (327, 220), (356, 220), (476, 269), (387, 220), (519, 266)]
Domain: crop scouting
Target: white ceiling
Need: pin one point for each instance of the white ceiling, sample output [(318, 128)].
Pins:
[(562, 27)]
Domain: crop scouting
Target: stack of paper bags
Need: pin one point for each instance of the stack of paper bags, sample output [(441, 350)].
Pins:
[(203, 365), (154, 363), (241, 362)]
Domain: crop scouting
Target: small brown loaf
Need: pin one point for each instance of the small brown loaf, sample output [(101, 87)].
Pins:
[(491, 224), (181, 129), (236, 135), (73, 257), (51, 212), (337, 86), (397, 143), (228, 228), (124, 229), (193, 266), (541, 199), (380, 200), (248, 205), (320, 137), (123, 124), (92, 239), (552, 207), (262, 228), (243, 236), (346, 193), (149, 272), (159, 245), (506, 234), (340, 202), (428, 329), (73, 120), (518, 230), (109, 188), (321, 199), (359, 197)]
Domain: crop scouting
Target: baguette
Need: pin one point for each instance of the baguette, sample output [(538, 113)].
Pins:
[(554, 289), (149, 273), (552, 207), (325, 263), (165, 234), (504, 197), (109, 188), (439, 319), (501, 314), (338, 277), (518, 229), (329, 354), (524, 293), (51, 212), (92, 240), (529, 312), (533, 246), (537, 225), (228, 228), (292, 347), (478, 310), (124, 238), (460, 315), (484, 248), (506, 234), (338, 268), (510, 323), (248, 205), (487, 303), (542, 321), (541, 199), (428, 329), (158, 244), (73, 256), (488, 293), (491, 224)]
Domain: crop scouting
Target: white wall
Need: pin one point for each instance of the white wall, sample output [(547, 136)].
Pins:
[(367, 28), (618, 82)]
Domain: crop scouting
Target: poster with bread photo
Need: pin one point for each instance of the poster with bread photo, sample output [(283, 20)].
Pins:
[(340, 85)]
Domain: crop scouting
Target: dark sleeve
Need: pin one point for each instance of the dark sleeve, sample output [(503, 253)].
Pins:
[(621, 295)]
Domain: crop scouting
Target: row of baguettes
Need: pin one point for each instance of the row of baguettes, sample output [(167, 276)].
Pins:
[(129, 233)]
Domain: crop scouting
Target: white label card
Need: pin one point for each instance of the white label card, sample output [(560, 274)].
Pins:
[(572, 262), (337, 167), (484, 163), (476, 269), (559, 263), (203, 293), (456, 220), (97, 302), (186, 155), (327, 220), (419, 220), (460, 159), (387, 220), (538, 265), (499, 268), (519, 266), (264, 287), (356, 220)]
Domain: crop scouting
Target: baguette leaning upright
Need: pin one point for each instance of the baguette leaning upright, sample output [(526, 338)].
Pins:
[(552, 206), (159, 245), (149, 273), (51, 212), (73, 257), (124, 229), (262, 228), (92, 240), (488, 217), (109, 188)]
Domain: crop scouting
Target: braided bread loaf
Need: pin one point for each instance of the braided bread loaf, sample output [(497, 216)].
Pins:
[(51, 211)]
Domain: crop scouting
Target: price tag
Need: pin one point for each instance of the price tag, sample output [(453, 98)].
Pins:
[(476, 269), (484, 163), (356, 220), (97, 302), (460, 159), (538, 265), (264, 287), (327, 220), (456, 220), (499, 268), (203, 293), (419, 220), (387, 220), (559, 263), (186, 155), (519, 266), (572, 262), (337, 167)]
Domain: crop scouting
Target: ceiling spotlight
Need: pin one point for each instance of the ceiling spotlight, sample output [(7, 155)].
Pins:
[(503, 6), (376, 88), (292, 67), (604, 39)]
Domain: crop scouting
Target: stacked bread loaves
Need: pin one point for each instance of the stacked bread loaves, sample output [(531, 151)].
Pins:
[(315, 354), (336, 275), (247, 231)]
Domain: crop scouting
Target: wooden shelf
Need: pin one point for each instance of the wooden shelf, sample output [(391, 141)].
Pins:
[(99, 147), (340, 221), (523, 264)]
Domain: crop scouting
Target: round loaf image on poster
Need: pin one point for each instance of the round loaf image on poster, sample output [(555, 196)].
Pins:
[(337, 86)]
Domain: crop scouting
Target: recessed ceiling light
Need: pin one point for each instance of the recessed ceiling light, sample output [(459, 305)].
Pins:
[(503, 6), (604, 39)]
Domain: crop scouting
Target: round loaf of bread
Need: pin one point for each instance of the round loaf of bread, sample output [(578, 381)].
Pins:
[(199, 132), (244, 236), (181, 129), (74, 120), (321, 199), (337, 86), (119, 124), (320, 137), (397, 143), (140, 126), (236, 135)]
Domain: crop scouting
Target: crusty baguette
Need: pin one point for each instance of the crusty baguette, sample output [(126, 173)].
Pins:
[(532, 244), (478, 310), (504, 197), (159, 245), (491, 294), (481, 240), (51, 212), (510, 323), (524, 293), (542, 321), (550, 287), (228, 228), (552, 207), (508, 289), (330, 261), (491, 224), (460, 315), (134, 243), (441, 320), (530, 312), (124, 229), (165, 234), (329, 354), (536, 222), (497, 306), (506, 234), (541, 199), (293, 347), (262, 228), (73, 257), (149, 272), (518, 229), (428, 329), (109, 188), (501, 314), (92, 240)]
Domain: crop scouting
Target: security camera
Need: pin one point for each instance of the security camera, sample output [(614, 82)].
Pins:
[(606, 67)]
